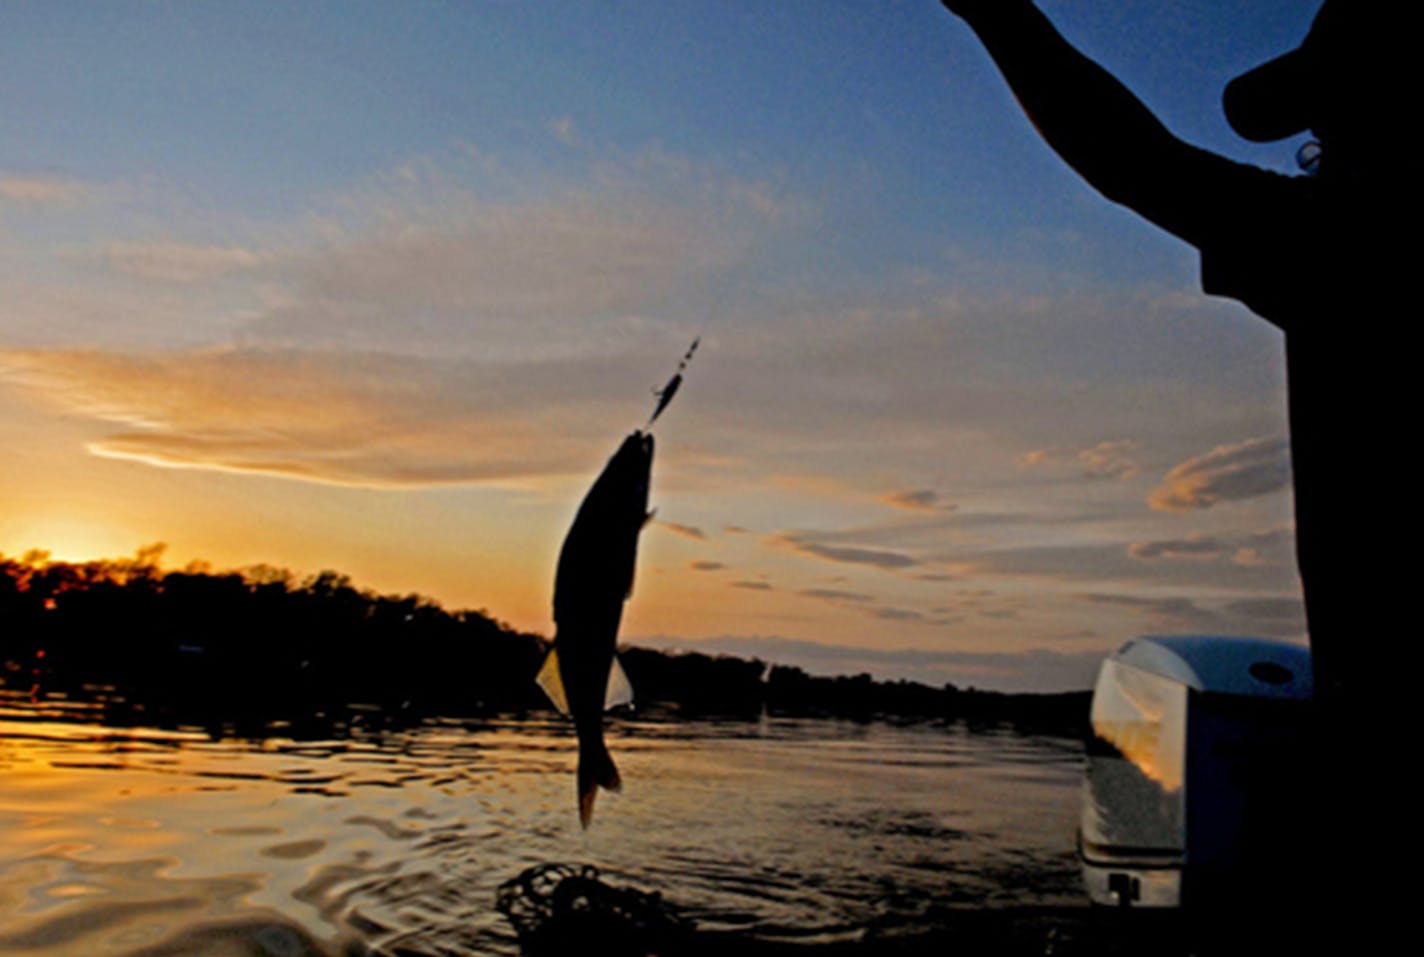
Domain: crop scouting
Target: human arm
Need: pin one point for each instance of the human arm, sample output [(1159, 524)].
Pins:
[(1098, 126)]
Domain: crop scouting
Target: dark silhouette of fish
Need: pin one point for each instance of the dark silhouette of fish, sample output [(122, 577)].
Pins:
[(594, 578)]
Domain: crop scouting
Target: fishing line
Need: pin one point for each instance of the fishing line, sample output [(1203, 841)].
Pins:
[(723, 291)]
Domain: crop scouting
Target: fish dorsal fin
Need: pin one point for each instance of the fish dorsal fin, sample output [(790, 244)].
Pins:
[(552, 681), (620, 689)]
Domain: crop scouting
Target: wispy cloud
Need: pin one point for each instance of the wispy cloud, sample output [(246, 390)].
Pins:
[(367, 419), (1155, 564), (1274, 546), (1193, 546), (897, 614), (1227, 473), (706, 566), (1269, 547), (873, 557), (501, 267), (1271, 616), (40, 190), (835, 595), (563, 129), (1109, 459), (1281, 617), (918, 500), (178, 262), (686, 531), (417, 260), (1170, 612)]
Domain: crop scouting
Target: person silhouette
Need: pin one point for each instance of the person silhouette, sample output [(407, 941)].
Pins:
[(1313, 254), (1322, 256)]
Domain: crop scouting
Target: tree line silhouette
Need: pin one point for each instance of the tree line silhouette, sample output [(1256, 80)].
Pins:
[(236, 651)]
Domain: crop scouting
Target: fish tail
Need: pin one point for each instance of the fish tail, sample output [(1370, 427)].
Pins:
[(595, 770)]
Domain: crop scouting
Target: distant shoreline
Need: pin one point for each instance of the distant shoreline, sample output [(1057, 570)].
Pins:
[(244, 649)]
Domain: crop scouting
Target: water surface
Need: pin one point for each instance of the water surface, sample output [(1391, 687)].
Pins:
[(143, 843)]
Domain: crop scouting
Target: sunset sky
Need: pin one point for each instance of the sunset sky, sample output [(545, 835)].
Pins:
[(378, 287)]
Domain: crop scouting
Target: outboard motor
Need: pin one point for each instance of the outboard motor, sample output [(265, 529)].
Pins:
[(1196, 765)]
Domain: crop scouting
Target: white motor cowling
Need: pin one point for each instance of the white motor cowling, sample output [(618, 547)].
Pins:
[(1195, 760)]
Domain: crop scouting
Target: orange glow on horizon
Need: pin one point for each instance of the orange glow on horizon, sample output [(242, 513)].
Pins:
[(65, 539)]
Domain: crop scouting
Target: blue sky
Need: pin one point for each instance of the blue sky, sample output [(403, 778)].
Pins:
[(378, 286)]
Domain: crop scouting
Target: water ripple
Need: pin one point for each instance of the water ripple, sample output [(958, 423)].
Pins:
[(146, 843)]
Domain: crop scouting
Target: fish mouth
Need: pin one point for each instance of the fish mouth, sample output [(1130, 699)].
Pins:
[(638, 445)]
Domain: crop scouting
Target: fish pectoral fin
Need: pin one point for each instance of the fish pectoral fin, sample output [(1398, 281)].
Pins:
[(620, 689), (552, 681)]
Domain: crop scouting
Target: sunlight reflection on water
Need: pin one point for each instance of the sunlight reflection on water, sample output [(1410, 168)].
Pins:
[(146, 843)]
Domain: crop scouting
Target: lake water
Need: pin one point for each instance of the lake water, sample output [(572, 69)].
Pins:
[(145, 843)]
